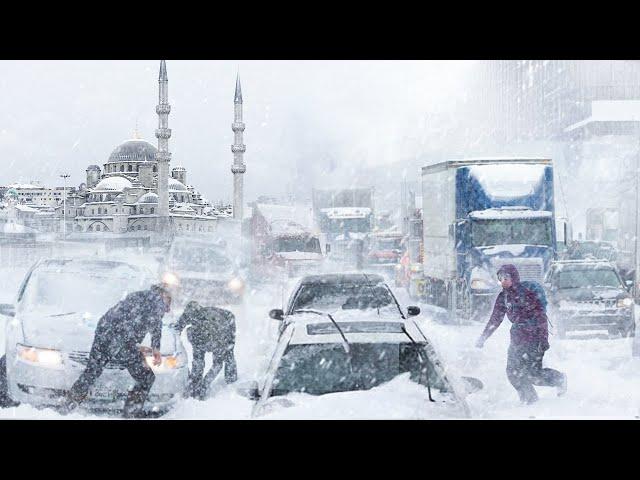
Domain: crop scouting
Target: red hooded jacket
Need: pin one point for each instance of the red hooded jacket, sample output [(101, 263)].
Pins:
[(524, 311)]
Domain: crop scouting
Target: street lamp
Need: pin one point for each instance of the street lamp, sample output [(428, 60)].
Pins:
[(64, 205)]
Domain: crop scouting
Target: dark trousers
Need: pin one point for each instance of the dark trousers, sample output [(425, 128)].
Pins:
[(197, 384), (102, 352), (524, 370)]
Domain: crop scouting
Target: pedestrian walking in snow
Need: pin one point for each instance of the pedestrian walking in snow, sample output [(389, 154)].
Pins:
[(529, 336), (117, 338), (211, 330)]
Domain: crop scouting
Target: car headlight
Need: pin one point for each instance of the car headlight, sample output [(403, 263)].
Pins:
[(416, 268), (44, 357), (235, 285), (479, 284), (625, 302), (169, 362)]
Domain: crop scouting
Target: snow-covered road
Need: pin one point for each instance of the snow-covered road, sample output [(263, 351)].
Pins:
[(604, 380)]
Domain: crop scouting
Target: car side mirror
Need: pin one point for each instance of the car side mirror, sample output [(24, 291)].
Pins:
[(276, 314), (7, 309), (413, 311), (472, 384), (629, 284), (249, 390)]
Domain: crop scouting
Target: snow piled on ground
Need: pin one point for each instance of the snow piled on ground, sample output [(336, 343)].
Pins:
[(603, 378)]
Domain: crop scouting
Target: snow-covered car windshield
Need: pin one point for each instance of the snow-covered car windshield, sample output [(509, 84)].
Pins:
[(340, 225), (346, 296), (526, 231), (199, 258), (587, 277), (318, 369), (297, 244), (387, 244), (65, 292)]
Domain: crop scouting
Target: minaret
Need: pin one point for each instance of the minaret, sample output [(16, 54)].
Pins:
[(163, 157), (238, 148)]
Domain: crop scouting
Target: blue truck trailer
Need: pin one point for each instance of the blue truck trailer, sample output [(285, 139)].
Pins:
[(479, 214)]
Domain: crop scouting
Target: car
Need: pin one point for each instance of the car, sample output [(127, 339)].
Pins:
[(347, 333), (207, 271), (51, 329), (588, 295)]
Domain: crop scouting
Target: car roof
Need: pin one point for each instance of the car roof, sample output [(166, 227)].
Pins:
[(342, 278), (313, 329)]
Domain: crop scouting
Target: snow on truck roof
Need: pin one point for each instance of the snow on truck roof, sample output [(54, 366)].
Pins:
[(497, 161), (508, 213)]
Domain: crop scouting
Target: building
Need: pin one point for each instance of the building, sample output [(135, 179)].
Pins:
[(135, 189)]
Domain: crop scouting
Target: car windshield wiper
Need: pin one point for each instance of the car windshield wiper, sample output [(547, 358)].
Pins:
[(347, 346), (421, 360), (62, 314)]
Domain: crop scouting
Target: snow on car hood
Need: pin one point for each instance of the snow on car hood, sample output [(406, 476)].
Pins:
[(400, 398), (73, 332), (589, 294)]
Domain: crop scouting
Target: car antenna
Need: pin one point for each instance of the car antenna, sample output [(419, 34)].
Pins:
[(404, 330)]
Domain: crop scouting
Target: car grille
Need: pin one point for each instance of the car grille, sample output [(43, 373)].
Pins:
[(83, 359), (596, 304), (528, 268)]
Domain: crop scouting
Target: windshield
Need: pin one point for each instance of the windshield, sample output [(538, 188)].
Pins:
[(297, 244), (82, 292), (318, 369), (387, 244), (584, 278), (525, 231), (595, 250), (199, 258), (340, 225), (347, 296)]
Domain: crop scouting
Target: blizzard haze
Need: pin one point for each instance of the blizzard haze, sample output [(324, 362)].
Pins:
[(304, 119)]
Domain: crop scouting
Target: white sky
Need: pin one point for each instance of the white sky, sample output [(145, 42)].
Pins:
[(65, 115)]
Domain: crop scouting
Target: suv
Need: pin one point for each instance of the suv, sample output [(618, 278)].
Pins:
[(347, 332), (51, 331), (589, 295)]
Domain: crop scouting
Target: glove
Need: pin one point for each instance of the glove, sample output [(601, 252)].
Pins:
[(480, 343)]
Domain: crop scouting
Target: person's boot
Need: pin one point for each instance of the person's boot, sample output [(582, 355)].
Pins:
[(67, 405), (133, 405), (562, 387)]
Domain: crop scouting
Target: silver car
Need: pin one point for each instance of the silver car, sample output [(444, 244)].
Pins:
[(347, 333), (51, 328)]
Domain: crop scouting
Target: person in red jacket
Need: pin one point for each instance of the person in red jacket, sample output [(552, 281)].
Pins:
[(529, 337)]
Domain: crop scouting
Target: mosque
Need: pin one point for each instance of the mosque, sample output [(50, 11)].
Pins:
[(135, 191)]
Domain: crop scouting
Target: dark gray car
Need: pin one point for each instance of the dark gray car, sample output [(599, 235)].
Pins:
[(588, 295)]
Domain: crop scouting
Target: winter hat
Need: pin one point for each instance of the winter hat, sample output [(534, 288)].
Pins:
[(512, 271)]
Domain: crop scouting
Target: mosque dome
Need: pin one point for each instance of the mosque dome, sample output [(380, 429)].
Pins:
[(176, 186), (149, 197), (135, 150), (116, 184)]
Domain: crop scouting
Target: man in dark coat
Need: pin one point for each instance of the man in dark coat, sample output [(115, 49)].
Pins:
[(211, 330), (117, 338), (529, 336)]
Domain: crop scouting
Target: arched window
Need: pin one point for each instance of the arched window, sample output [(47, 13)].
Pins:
[(145, 227), (155, 169), (137, 168), (122, 168), (97, 228), (90, 229), (130, 168), (139, 227), (153, 210)]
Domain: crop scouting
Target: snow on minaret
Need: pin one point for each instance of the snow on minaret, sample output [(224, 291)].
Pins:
[(163, 157), (238, 148)]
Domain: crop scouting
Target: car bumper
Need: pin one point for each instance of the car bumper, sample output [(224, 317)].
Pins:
[(43, 387), (595, 321)]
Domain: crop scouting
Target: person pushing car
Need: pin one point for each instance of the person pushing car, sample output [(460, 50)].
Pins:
[(117, 338), (211, 330)]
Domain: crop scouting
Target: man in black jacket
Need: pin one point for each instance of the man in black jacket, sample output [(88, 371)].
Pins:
[(118, 335), (211, 330)]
